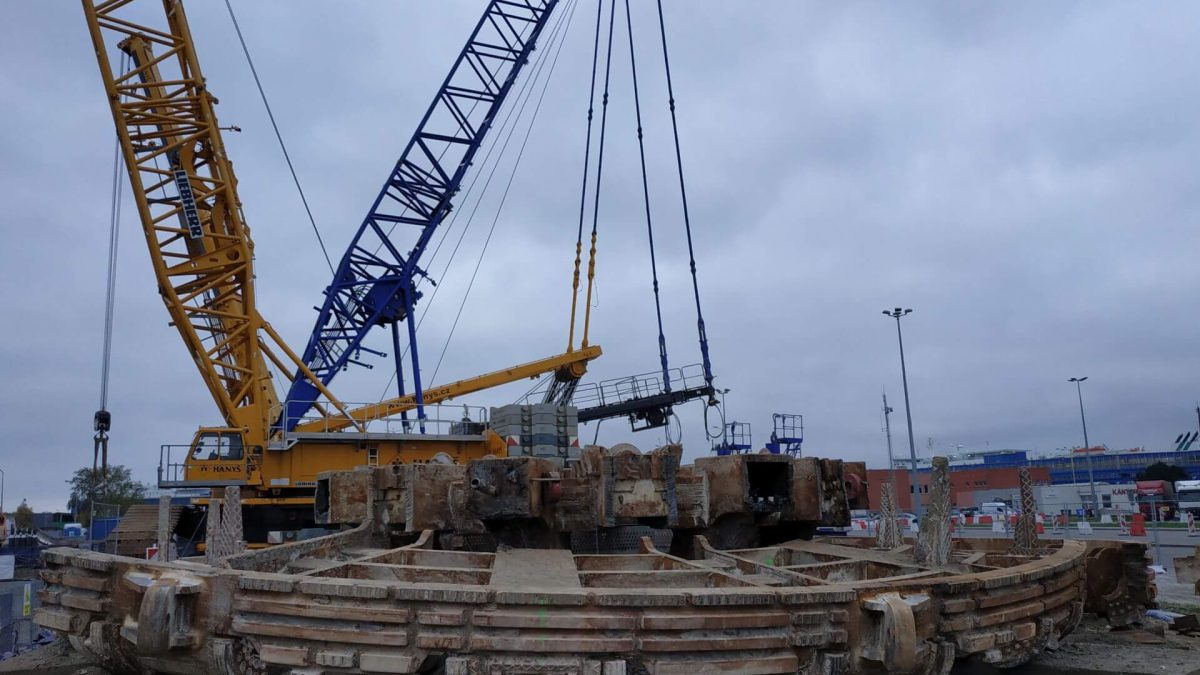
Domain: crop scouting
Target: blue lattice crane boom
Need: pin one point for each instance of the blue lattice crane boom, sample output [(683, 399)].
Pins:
[(375, 282)]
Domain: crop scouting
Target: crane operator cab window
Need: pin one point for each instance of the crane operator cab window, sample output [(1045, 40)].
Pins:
[(217, 445)]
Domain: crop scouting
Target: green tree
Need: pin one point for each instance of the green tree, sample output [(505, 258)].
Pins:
[(23, 517), (1163, 471), (117, 487)]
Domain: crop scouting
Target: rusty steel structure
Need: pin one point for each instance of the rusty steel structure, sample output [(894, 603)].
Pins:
[(461, 569)]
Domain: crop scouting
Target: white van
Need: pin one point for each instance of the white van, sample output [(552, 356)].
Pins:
[(1188, 494), (994, 509)]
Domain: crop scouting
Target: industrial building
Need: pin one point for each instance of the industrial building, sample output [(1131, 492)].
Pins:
[(1061, 480), (969, 486), (1108, 466)]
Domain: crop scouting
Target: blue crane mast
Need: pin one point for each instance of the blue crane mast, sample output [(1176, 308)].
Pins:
[(375, 283)]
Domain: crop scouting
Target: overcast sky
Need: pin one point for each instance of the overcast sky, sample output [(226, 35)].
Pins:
[(1021, 174)]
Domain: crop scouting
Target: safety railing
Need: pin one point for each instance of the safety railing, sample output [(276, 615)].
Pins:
[(172, 464), (735, 440), (632, 387)]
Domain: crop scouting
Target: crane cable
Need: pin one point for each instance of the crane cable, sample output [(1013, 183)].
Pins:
[(591, 273), (110, 286), (102, 420), (637, 106), (587, 152), (278, 136), (687, 224)]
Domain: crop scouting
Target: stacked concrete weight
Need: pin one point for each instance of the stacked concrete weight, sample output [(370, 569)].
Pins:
[(538, 430)]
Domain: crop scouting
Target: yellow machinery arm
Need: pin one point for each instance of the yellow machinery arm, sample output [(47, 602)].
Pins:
[(572, 364), (200, 247), (187, 201)]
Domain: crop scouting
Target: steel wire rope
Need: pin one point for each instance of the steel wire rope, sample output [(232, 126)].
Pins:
[(587, 311), (513, 114), (110, 286), (278, 136), (687, 223), (637, 106), (708, 425), (100, 447), (504, 196), (536, 384), (587, 152)]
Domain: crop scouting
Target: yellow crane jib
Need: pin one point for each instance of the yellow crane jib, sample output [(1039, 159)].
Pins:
[(186, 196), (570, 365)]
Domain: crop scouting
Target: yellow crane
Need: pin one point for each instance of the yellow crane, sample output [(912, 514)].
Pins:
[(202, 252)]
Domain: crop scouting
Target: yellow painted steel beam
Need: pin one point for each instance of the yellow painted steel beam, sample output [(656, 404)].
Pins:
[(186, 196), (571, 364)]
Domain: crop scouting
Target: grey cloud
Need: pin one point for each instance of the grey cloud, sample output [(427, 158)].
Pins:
[(1020, 174)]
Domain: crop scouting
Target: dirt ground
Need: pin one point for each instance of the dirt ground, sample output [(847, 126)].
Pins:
[(1095, 648), (56, 658)]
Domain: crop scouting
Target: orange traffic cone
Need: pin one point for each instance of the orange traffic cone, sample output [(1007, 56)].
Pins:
[(1138, 528)]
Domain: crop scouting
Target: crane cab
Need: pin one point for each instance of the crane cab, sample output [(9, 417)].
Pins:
[(218, 456)]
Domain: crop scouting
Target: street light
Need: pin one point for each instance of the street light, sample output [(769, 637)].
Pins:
[(1087, 448), (912, 447)]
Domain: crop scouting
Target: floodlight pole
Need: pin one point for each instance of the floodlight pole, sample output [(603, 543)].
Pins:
[(912, 446), (1087, 448)]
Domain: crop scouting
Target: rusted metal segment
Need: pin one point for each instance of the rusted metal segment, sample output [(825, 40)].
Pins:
[(766, 570), (735, 501), (894, 641), (400, 590), (1120, 583), (887, 534), (1025, 539), (224, 526), (1187, 568), (163, 532), (933, 541), (349, 603), (164, 617), (854, 476)]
